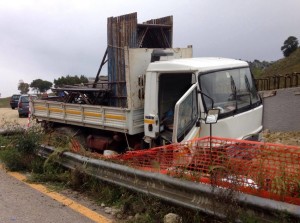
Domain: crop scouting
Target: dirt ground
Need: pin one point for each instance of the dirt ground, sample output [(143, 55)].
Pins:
[(10, 116), (286, 138)]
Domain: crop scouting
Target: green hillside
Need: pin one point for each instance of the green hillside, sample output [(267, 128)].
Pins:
[(283, 66), (4, 102)]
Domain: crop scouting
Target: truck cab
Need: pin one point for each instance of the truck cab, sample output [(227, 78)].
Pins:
[(179, 93)]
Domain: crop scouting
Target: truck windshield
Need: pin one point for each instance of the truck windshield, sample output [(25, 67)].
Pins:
[(233, 91)]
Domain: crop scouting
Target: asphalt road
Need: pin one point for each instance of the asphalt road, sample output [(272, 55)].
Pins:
[(21, 203), (281, 111)]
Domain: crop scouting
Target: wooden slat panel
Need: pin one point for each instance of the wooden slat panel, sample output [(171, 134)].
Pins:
[(123, 31)]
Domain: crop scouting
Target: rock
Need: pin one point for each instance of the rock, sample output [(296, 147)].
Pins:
[(107, 210), (111, 210), (114, 211), (102, 205), (130, 217), (119, 216), (172, 218), (267, 94), (137, 215)]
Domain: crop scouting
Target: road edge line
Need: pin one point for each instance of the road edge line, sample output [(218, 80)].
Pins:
[(94, 216)]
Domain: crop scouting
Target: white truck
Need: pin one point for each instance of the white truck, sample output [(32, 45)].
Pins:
[(167, 102)]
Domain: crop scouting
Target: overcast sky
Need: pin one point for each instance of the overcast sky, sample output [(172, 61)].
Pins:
[(50, 39)]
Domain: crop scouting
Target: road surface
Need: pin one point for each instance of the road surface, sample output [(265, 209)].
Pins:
[(9, 116), (281, 111), (19, 202)]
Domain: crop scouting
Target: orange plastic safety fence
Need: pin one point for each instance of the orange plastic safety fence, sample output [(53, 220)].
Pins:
[(75, 145), (263, 169)]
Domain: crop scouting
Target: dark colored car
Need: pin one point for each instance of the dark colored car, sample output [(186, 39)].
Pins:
[(14, 101), (23, 104)]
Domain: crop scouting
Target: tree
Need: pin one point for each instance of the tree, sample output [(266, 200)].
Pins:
[(70, 80), (23, 88), (289, 46), (40, 85)]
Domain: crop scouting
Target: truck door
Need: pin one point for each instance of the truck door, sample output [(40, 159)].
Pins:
[(186, 114)]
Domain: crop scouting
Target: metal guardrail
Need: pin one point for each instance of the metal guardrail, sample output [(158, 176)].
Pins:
[(188, 194), (278, 81)]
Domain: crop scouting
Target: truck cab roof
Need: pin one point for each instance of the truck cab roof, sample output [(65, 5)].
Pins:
[(200, 64)]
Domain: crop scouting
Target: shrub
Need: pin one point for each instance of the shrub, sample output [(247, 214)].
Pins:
[(12, 159), (29, 142), (18, 152)]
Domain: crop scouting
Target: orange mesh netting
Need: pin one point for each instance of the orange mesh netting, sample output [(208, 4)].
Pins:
[(263, 169)]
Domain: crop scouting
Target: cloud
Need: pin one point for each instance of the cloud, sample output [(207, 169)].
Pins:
[(48, 39)]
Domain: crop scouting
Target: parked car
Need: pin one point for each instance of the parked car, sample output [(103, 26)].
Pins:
[(23, 104), (14, 101)]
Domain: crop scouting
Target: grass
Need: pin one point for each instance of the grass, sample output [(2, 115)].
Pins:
[(283, 66), (4, 102), (143, 208)]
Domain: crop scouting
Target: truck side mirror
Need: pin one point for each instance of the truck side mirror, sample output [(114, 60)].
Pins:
[(212, 116)]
